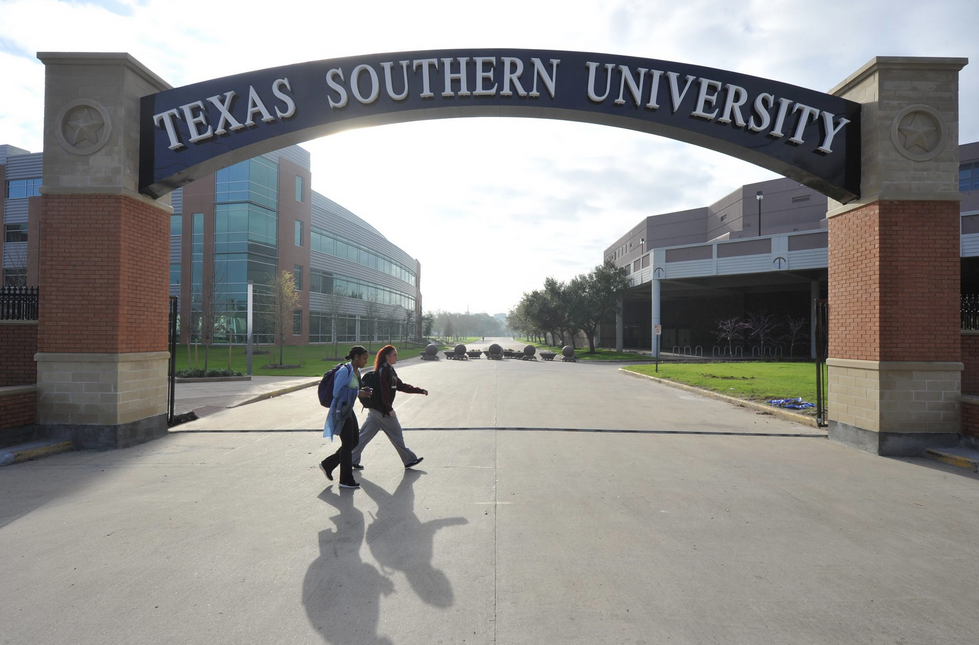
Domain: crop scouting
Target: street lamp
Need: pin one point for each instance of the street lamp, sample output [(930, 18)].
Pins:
[(759, 196), (642, 241)]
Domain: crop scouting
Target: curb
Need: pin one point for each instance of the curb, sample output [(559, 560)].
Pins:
[(953, 459), (30, 451), (212, 379), (778, 412), (275, 393)]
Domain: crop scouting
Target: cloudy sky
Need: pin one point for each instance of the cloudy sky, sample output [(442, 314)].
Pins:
[(491, 207)]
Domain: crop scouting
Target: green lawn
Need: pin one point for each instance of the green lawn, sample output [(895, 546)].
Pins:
[(747, 380), (313, 363)]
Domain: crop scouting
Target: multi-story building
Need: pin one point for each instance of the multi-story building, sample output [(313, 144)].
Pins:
[(19, 214), (248, 222), (762, 248)]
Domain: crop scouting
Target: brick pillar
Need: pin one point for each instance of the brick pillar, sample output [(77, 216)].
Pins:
[(104, 248), (894, 343)]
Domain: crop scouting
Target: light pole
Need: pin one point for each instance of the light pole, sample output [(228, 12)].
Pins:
[(642, 242), (759, 196)]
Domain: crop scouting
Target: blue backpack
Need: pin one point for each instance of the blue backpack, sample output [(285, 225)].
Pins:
[(325, 390)]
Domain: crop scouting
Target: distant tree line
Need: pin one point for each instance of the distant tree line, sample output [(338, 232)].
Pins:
[(556, 313), (453, 326)]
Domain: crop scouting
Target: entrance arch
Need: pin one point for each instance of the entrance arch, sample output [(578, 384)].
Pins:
[(809, 136), (118, 139)]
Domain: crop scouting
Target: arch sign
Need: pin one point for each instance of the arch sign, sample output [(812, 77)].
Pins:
[(808, 136)]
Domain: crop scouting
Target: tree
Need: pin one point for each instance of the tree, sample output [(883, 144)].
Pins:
[(335, 301), (427, 321), (597, 297), (395, 315), (372, 314), (795, 332), (408, 317), (213, 302), (284, 303), (730, 329), (761, 325), (554, 316)]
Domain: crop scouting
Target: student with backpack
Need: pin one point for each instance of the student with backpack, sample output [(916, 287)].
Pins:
[(382, 415), (340, 389)]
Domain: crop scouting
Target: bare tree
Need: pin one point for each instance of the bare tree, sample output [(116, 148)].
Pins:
[(335, 302), (408, 319), (796, 332), (761, 325), (264, 312), (731, 330), (285, 301), (213, 310), (372, 314), (393, 318)]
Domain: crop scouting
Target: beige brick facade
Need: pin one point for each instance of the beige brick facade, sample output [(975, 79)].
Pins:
[(101, 389), (895, 397)]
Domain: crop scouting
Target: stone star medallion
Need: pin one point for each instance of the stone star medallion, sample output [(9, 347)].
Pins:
[(83, 127), (919, 132)]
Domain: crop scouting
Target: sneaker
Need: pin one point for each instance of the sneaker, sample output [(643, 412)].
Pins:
[(329, 475), (354, 485), (357, 466), (415, 462)]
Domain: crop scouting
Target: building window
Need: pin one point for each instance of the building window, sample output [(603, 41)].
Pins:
[(297, 273), (15, 233), (968, 177), (299, 233), (15, 277), (21, 188), (635, 265), (299, 188), (176, 224), (345, 249), (175, 273), (645, 261), (297, 322)]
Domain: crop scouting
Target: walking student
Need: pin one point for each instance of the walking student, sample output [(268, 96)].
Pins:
[(382, 415), (346, 389)]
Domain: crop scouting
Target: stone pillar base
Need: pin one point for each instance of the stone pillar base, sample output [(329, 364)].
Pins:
[(894, 408), (106, 437), (102, 401)]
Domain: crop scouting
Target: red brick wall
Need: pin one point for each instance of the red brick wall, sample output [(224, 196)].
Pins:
[(289, 254), (105, 271), (970, 419), (18, 344), (894, 282), (17, 410)]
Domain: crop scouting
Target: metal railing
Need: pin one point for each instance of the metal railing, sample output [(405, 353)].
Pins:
[(19, 303), (970, 311)]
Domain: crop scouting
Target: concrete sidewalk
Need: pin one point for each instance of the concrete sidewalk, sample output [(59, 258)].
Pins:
[(621, 511), (208, 397)]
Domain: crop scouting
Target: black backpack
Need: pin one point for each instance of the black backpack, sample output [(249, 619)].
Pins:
[(372, 380), (325, 390)]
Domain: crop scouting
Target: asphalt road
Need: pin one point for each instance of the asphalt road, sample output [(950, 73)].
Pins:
[(680, 520)]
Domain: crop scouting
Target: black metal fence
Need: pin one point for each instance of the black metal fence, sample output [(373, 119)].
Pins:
[(822, 353), (970, 311), (172, 338), (18, 303)]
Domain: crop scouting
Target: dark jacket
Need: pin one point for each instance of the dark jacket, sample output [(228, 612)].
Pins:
[(390, 384)]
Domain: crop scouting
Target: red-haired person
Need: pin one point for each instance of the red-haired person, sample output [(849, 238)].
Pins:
[(382, 416)]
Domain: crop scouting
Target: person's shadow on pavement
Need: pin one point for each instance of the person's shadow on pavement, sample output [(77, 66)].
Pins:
[(399, 541), (341, 592)]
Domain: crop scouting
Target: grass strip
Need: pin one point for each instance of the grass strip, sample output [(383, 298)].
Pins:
[(752, 381)]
